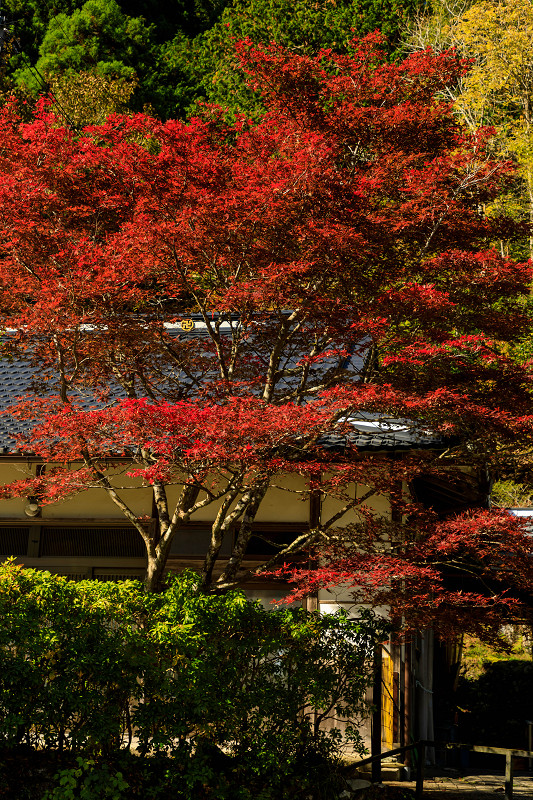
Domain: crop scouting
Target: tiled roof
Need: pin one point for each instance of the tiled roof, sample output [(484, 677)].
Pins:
[(378, 432), (370, 431), (17, 378), (527, 515)]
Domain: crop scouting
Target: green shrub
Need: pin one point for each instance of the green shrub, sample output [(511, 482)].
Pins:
[(233, 694), (88, 781), (68, 659)]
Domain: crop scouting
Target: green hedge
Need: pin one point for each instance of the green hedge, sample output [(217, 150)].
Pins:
[(218, 684)]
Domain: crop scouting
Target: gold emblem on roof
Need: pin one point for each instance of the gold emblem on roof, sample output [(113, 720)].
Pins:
[(187, 324)]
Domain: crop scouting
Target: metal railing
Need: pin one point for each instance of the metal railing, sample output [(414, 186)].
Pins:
[(420, 750)]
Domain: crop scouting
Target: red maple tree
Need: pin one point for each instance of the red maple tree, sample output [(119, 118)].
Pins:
[(337, 260)]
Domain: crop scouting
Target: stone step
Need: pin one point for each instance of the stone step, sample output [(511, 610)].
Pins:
[(390, 771)]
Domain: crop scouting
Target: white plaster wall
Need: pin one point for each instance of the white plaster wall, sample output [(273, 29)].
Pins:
[(286, 501), (96, 504), (10, 472), (331, 505), (283, 502), (339, 598), (90, 504)]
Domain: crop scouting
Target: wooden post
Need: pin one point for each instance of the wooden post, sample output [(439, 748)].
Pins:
[(407, 703), (314, 509), (375, 742), (34, 541), (397, 733), (508, 776), (420, 767)]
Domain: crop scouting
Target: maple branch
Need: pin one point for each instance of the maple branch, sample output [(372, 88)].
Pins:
[(220, 527), (468, 181), (29, 269), (146, 384), (194, 378), (161, 502), (214, 335), (181, 515), (301, 543), (347, 507), (247, 507), (310, 391), (275, 355), (105, 484), (236, 339), (61, 364)]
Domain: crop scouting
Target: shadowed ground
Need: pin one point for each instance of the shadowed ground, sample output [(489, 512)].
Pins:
[(471, 786)]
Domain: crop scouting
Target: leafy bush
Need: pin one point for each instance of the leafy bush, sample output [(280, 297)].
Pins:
[(232, 693), (68, 659), (88, 781)]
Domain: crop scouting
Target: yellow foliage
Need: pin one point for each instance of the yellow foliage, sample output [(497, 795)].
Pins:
[(498, 36), (85, 98)]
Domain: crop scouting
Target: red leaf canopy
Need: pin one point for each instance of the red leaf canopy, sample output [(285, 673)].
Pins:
[(335, 262)]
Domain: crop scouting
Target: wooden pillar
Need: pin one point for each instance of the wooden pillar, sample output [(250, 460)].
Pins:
[(34, 541), (375, 742), (407, 701), (420, 767), (310, 603), (314, 508), (508, 776), (396, 723)]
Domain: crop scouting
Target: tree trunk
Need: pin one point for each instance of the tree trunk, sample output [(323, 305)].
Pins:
[(155, 569)]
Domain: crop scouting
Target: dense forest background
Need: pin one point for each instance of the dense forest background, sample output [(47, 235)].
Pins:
[(177, 54)]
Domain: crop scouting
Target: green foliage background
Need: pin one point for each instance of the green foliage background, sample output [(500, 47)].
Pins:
[(494, 707)]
